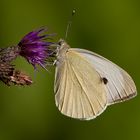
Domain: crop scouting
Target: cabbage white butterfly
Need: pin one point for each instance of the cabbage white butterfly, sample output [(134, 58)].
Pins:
[(86, 83)]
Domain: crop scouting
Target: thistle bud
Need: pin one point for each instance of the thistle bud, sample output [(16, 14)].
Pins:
[(9, 54), (10, 76)]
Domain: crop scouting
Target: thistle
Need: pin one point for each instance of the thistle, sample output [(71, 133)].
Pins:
[(35, 48)]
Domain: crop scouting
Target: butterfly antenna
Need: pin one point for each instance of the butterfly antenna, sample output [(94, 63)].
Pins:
[(69, 23)]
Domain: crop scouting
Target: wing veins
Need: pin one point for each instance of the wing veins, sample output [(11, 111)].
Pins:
[(86, 94), (83, 90)]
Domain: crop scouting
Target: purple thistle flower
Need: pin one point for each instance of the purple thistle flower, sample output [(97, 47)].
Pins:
[(35, 49)]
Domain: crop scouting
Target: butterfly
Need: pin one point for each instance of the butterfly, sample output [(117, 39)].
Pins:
[(86, 83)]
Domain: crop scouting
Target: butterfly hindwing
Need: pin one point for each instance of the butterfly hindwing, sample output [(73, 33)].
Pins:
[(79, 90)]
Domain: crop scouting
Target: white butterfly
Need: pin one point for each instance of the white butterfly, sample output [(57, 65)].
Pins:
[(86, 83)]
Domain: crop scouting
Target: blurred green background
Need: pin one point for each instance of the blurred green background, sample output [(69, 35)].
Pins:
[(108, 27)]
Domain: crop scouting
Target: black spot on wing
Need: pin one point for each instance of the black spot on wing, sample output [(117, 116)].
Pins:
[(104, 80)]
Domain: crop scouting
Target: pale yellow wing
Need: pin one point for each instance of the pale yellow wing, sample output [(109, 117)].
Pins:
[(79, 89), (120, 86)]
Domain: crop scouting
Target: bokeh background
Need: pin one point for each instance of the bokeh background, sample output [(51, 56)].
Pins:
[(108, 27)]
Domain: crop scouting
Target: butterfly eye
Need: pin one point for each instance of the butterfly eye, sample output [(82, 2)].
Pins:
[(59, 43)]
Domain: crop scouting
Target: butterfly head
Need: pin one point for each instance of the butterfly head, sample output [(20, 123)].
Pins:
[(61, 42), (62, 46)]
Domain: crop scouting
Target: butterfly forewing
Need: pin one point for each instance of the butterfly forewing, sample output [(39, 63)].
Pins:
[(119, 86)]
